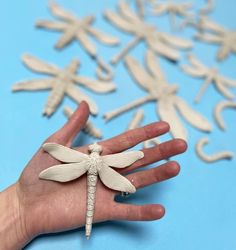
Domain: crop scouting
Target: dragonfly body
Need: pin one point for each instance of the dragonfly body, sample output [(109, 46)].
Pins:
[(95, 166)]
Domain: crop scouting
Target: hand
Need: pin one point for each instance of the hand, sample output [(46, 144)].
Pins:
[(43, 206)]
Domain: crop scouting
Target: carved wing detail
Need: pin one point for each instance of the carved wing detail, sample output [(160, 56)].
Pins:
[(64, 172), (114, 180), (122, 160), (64, 154)]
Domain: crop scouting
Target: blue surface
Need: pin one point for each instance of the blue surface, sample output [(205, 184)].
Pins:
[(200, 203)]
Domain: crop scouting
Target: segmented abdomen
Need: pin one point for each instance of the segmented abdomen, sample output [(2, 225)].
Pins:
[(91, 193), (54, 100)]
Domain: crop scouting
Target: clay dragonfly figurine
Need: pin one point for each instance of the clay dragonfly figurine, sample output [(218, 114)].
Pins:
[(168, 104), (62, 83), (161, 43), (94, 165), (211, 76), (78, 29)]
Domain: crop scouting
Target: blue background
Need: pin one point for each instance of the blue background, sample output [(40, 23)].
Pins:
[(200, 203)]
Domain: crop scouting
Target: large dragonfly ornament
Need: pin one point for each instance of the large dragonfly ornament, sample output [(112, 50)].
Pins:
[(168, 104), (61, 83), (161, 43), (78, 29), (94, 165)]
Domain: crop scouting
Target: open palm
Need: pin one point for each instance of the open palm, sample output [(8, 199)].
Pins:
[(49, 206)]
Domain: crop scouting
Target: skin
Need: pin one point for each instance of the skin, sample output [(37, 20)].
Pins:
[(31, 206)]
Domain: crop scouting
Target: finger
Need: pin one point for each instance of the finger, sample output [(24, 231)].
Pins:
[(137, 212), (154, 175), (132, 137), (160, 152), (76, 122)]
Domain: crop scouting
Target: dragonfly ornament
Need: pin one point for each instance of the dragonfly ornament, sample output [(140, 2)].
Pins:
[(61, 82), (95, 165), (211, 76), (162, 43), (195, 19), (74, 28), (168, 104), (173, 9), (214, 33)]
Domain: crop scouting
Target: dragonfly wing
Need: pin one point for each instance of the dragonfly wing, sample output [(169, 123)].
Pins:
[(122, 160), (163, 49), (140, 75), (65, 39), (160, 9), (223, 89), (153, 65), (114, 180), (95, 85), (177, 41), (193, 117), (167, 112), (196, 63), (35, 84), (210, 25), (86, 43), (64, 172), (119, 21), (79, 96), (64, 154), (103, 37), (192, 71), (60, 12), (37, 65), (128, 13), (52, 25)]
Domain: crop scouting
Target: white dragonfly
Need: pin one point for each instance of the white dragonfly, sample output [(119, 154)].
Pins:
[(94, 165), (78, 29), (161, 43), (62, 83)]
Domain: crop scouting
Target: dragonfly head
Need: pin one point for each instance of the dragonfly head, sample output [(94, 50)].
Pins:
[(95, 148)]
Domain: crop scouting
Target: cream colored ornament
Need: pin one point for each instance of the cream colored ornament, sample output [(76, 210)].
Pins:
[(195, 20), (162, 43), (218, 110), (74, 28), (211, 158), (173, 9), (211, 76), (89, 128), (214, 33), (94, 165), (61, 82), (168, 104)]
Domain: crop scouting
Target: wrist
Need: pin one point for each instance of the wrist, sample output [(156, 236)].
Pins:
[(13, 233)]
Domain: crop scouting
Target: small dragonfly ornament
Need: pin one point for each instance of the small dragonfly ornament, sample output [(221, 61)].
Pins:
[(94, 165), (211, 76), (74, 28), (62, 83)]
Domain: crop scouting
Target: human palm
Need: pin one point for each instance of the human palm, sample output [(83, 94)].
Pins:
[(48, 206)]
